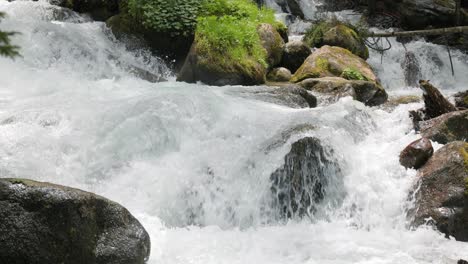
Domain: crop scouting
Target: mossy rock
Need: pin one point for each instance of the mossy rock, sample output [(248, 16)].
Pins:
[(335, 33), (279, 75), (331, 61), (48, 223), (272, 42), (333, 88), (212, 68), (174, 47), (441, 193), (295, 53)]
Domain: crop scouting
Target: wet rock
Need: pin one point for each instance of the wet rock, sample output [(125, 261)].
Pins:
[(295, 8), (294, 55), (442, 196), (446, 128), (48, 223), (99, 10), (302, 183), (285, 94), (395, 101), (331, 61), (435, 103), (272, 42), (461, 99), (370, 93), (420, 14), (416, 154), (279, 75), (461, 261), (198, 68), (172, 47)]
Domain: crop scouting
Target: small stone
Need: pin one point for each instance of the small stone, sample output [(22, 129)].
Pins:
[(279, 75), (416, 154)]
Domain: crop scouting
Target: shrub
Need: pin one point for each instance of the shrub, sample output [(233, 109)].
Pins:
[(177, 17), (6, 48)]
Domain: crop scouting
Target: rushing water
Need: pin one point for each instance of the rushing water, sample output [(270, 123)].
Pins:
[(193, 162)]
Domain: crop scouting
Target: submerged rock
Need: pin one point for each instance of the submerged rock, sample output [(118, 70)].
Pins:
[(446, 128), (288, 95), (295, 53), (279, 75), (370, 93), (416, 154), (301, 184), (411, 69), (48, 223), (442, 196), (331, 61)]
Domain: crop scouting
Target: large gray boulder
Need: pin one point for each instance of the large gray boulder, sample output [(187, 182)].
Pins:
[(442, 196), (47, 223), (449, 127)]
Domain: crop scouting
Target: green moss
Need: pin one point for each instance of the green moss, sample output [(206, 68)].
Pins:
[(227, 34), (353, 74), (464, 153), (314, 35), (465, 100)]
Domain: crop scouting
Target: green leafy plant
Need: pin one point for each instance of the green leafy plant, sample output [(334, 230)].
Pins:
[(177, 17), (6, 48), (353, 74), (227, 31)]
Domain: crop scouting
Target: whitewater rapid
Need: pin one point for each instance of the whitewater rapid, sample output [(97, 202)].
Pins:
[(193, 162)]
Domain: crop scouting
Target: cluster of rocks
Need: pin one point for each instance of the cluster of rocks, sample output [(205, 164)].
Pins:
[(441, 192)]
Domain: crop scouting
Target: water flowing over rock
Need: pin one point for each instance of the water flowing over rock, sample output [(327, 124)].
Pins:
[(446, 128), (48, 223), (301, 184), (416, 154), (442, 195), (285, 94), (370, 93), (411, 69)]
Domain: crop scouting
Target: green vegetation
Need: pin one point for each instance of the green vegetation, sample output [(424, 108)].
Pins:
[(353, 74), (177, 17), (6, 48), (227, 33), (464, 153)]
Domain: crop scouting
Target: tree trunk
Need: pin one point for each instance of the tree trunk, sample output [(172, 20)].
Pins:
[(458, 12), (439, 31)]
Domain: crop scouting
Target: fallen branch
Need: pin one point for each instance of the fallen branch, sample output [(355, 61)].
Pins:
[(427, 32)]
